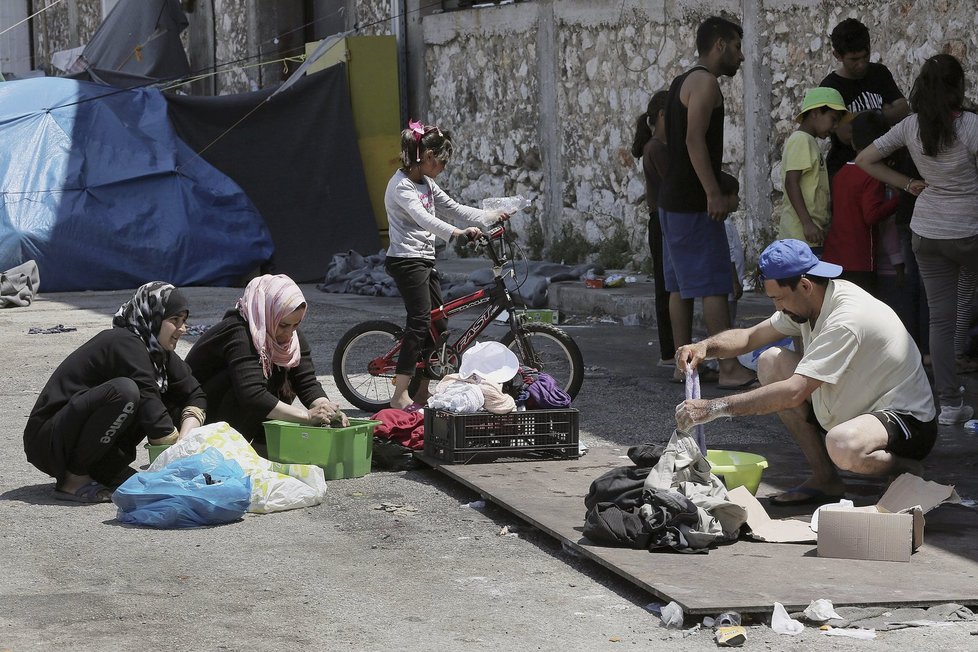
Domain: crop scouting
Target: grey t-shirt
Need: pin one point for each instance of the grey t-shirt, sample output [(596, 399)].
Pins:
[(413, 211), (948, 208)]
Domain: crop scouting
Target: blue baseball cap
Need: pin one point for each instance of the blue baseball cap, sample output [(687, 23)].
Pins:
[(786, 258)]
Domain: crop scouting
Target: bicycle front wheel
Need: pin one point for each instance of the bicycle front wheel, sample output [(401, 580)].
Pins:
[(363, 364), (552, 351)]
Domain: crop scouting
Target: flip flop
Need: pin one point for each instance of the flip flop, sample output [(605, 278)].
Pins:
[(93, 492), (812, 496), (753, 382)]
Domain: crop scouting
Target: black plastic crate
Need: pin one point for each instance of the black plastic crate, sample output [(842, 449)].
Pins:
[(482, 437)]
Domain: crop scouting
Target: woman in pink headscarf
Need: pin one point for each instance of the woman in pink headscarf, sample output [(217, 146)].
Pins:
[(255, 362)]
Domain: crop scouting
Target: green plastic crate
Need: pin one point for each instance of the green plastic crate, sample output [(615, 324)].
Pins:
[(341, 452)]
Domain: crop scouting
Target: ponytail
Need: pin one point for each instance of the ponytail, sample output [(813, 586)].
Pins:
[(645, 124)]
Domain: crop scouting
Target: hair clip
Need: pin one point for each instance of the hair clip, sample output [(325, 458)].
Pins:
[(420, 131)]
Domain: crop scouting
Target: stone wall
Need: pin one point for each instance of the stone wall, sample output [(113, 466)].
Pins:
[(488, 72), (61, 27), (543, 95)]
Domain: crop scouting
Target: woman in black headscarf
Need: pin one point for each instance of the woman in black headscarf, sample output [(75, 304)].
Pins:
[(122, 385)]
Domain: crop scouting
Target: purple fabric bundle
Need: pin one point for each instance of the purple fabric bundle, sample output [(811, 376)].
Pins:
[(545, 394)]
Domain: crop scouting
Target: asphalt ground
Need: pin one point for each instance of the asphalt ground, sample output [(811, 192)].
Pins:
[(434, 575)]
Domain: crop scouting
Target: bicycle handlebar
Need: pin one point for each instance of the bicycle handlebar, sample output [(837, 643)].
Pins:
[(485, 241)]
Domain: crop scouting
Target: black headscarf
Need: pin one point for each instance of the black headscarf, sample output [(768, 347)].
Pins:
[(144, 314)]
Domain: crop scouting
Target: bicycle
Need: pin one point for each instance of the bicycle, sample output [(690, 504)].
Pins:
[(366, 356)]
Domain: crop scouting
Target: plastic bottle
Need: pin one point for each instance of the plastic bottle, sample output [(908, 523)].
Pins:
[(971, 426)]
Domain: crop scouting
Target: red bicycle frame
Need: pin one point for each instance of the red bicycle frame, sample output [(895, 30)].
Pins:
[(497, 296)]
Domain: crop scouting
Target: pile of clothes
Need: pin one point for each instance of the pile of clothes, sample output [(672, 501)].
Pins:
[(669, 499), (489, 379)]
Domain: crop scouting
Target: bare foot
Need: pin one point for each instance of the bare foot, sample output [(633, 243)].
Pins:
[(735, 375), (72, 483), (812, 492), (400, 402)]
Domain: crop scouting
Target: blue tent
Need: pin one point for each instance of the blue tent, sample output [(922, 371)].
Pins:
[(97, 188)]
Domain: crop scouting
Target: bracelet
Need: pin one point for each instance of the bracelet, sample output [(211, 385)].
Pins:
[(906, 188)]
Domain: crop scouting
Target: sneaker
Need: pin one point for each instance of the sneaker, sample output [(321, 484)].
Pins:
[(951, 415)]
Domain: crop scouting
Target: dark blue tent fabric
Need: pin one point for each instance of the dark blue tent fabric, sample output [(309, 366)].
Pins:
[(97, 188)]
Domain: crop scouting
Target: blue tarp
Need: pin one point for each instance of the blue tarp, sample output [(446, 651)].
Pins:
[(98, 189)]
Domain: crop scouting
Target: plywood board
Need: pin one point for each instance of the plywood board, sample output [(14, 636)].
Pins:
[(745, 576)]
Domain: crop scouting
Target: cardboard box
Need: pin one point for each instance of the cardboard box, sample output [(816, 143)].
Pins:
[(887, 531)]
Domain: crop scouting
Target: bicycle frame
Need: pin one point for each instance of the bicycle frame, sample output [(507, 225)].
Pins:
[(499, 299)]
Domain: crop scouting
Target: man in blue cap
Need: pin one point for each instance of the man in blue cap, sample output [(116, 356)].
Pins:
[(857, 398)]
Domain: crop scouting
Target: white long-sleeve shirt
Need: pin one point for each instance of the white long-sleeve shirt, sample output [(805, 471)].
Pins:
[(413, 211)]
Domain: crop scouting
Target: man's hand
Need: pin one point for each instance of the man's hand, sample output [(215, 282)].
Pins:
[(690, 356), (717, 206), (695, 412)]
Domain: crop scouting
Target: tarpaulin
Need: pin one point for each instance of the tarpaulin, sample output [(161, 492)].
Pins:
[(138, 42), (97, 188), (298, 160)]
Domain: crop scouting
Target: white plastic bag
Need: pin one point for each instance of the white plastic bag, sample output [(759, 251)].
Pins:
[(821, 610), (275, 486), (844, 504), (508, 205), (782, 623), (672, 616)]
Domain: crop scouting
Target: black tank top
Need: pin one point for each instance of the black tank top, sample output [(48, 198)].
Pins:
[(681, 190)]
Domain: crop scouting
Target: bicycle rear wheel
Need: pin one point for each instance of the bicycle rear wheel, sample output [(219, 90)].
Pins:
[(552, 351), (363, 373)]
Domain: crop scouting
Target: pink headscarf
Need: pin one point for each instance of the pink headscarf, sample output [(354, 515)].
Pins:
[(267, 300)]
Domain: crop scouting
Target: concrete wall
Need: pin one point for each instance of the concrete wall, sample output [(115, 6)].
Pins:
[(63, 26), (15, 45)]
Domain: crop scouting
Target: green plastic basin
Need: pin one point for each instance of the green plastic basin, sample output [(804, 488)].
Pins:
[(737, 468)]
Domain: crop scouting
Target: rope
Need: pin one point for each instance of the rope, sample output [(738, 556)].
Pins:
[(37, 13)]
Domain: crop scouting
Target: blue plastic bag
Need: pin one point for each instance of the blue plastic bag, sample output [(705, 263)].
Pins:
[(202, 489)]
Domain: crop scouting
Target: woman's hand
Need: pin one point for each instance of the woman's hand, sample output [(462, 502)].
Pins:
[(500, 216), (322, 413), (916, 186)]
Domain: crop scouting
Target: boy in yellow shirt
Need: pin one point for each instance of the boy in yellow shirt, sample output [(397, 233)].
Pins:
[(805, 214)]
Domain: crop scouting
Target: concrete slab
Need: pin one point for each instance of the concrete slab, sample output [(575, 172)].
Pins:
[(745, 576)]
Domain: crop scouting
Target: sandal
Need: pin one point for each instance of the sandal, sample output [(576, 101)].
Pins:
[(93, 492)]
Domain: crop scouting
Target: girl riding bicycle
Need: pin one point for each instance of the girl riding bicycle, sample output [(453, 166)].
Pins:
[(415, 208)]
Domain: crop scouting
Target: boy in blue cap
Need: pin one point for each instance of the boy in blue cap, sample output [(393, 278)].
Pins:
[(857, 399)]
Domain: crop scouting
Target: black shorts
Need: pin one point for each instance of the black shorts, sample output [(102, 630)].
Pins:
[(906, 436)]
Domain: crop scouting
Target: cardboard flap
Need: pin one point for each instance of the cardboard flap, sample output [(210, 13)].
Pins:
[(909, 490), (763, 527)]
